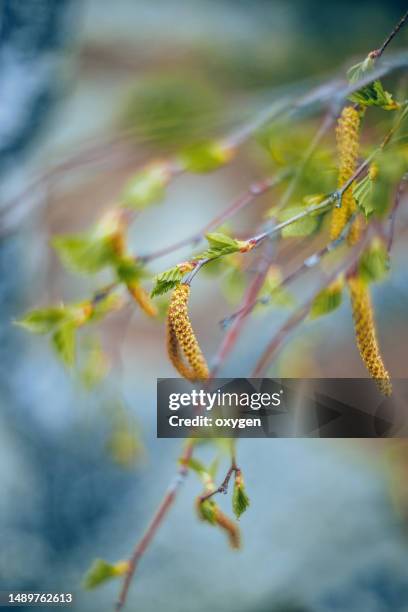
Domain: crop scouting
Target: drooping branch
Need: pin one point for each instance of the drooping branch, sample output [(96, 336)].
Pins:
[(347, 264), (254, 191), (155, 523), (310, 262)]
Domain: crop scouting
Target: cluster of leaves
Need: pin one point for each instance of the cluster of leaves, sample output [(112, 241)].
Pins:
[(207, 507), (372, 94), (63, 321), (171, 111), (219, 245)]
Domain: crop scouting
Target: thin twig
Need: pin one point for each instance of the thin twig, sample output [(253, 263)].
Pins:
[(251, 293), (254, 191), (378, 52), (272, 346), (155, 523), (310, 262), (223, 488)]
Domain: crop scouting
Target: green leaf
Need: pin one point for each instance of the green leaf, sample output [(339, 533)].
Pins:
[(205, 157), (357, 72), (197, 467), (124, 446), (207, 511), (304, 227), (84, 253), (166, 281), (95, 363), (103, 306), (217, 240), (146, 187), (233, 285), (64, 343), (213, 468), (374, 94), (129, 270), (374, 262), (240, 500), (44, 320), (101, 571), (274, 292), (327, 300), (221, 244), (362, 192)]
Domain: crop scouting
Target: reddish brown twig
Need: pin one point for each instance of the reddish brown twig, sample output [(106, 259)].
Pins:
[(155, 523), (378, 52), (254, 191), (223, 488), (251, 293)]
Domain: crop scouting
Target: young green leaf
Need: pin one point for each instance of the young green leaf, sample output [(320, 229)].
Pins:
[(303, 227), (95, 364), (101, 571), (44, 320), (327, 300), (125, 446), (84, 253), (374, 262), (221, 244), (233, 284), (167, 280), (207, 511), (356, 72), (146, 187), (374, 94), (129, 270), (205, 157), (103, 306), (362, 192), (63, 341), (240, 499), (272, 291)]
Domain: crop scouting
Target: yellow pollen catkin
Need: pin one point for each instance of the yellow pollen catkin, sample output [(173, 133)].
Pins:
[(141, 296), (347, 134), (366, 335), (230, 528), (181, 340)]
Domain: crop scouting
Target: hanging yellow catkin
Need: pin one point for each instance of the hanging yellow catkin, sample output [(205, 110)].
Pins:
[(181, 340), (366, 335), (230, 528), (141, 296), (347, 134)]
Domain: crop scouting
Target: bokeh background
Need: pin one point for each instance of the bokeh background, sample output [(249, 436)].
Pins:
[(82, 471)]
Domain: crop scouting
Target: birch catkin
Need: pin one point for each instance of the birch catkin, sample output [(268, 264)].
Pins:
[(366, 335), (141, 296), (347, 134), (181, 340)]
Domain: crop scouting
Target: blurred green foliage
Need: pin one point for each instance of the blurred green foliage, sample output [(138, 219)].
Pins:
[(170, 110)]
